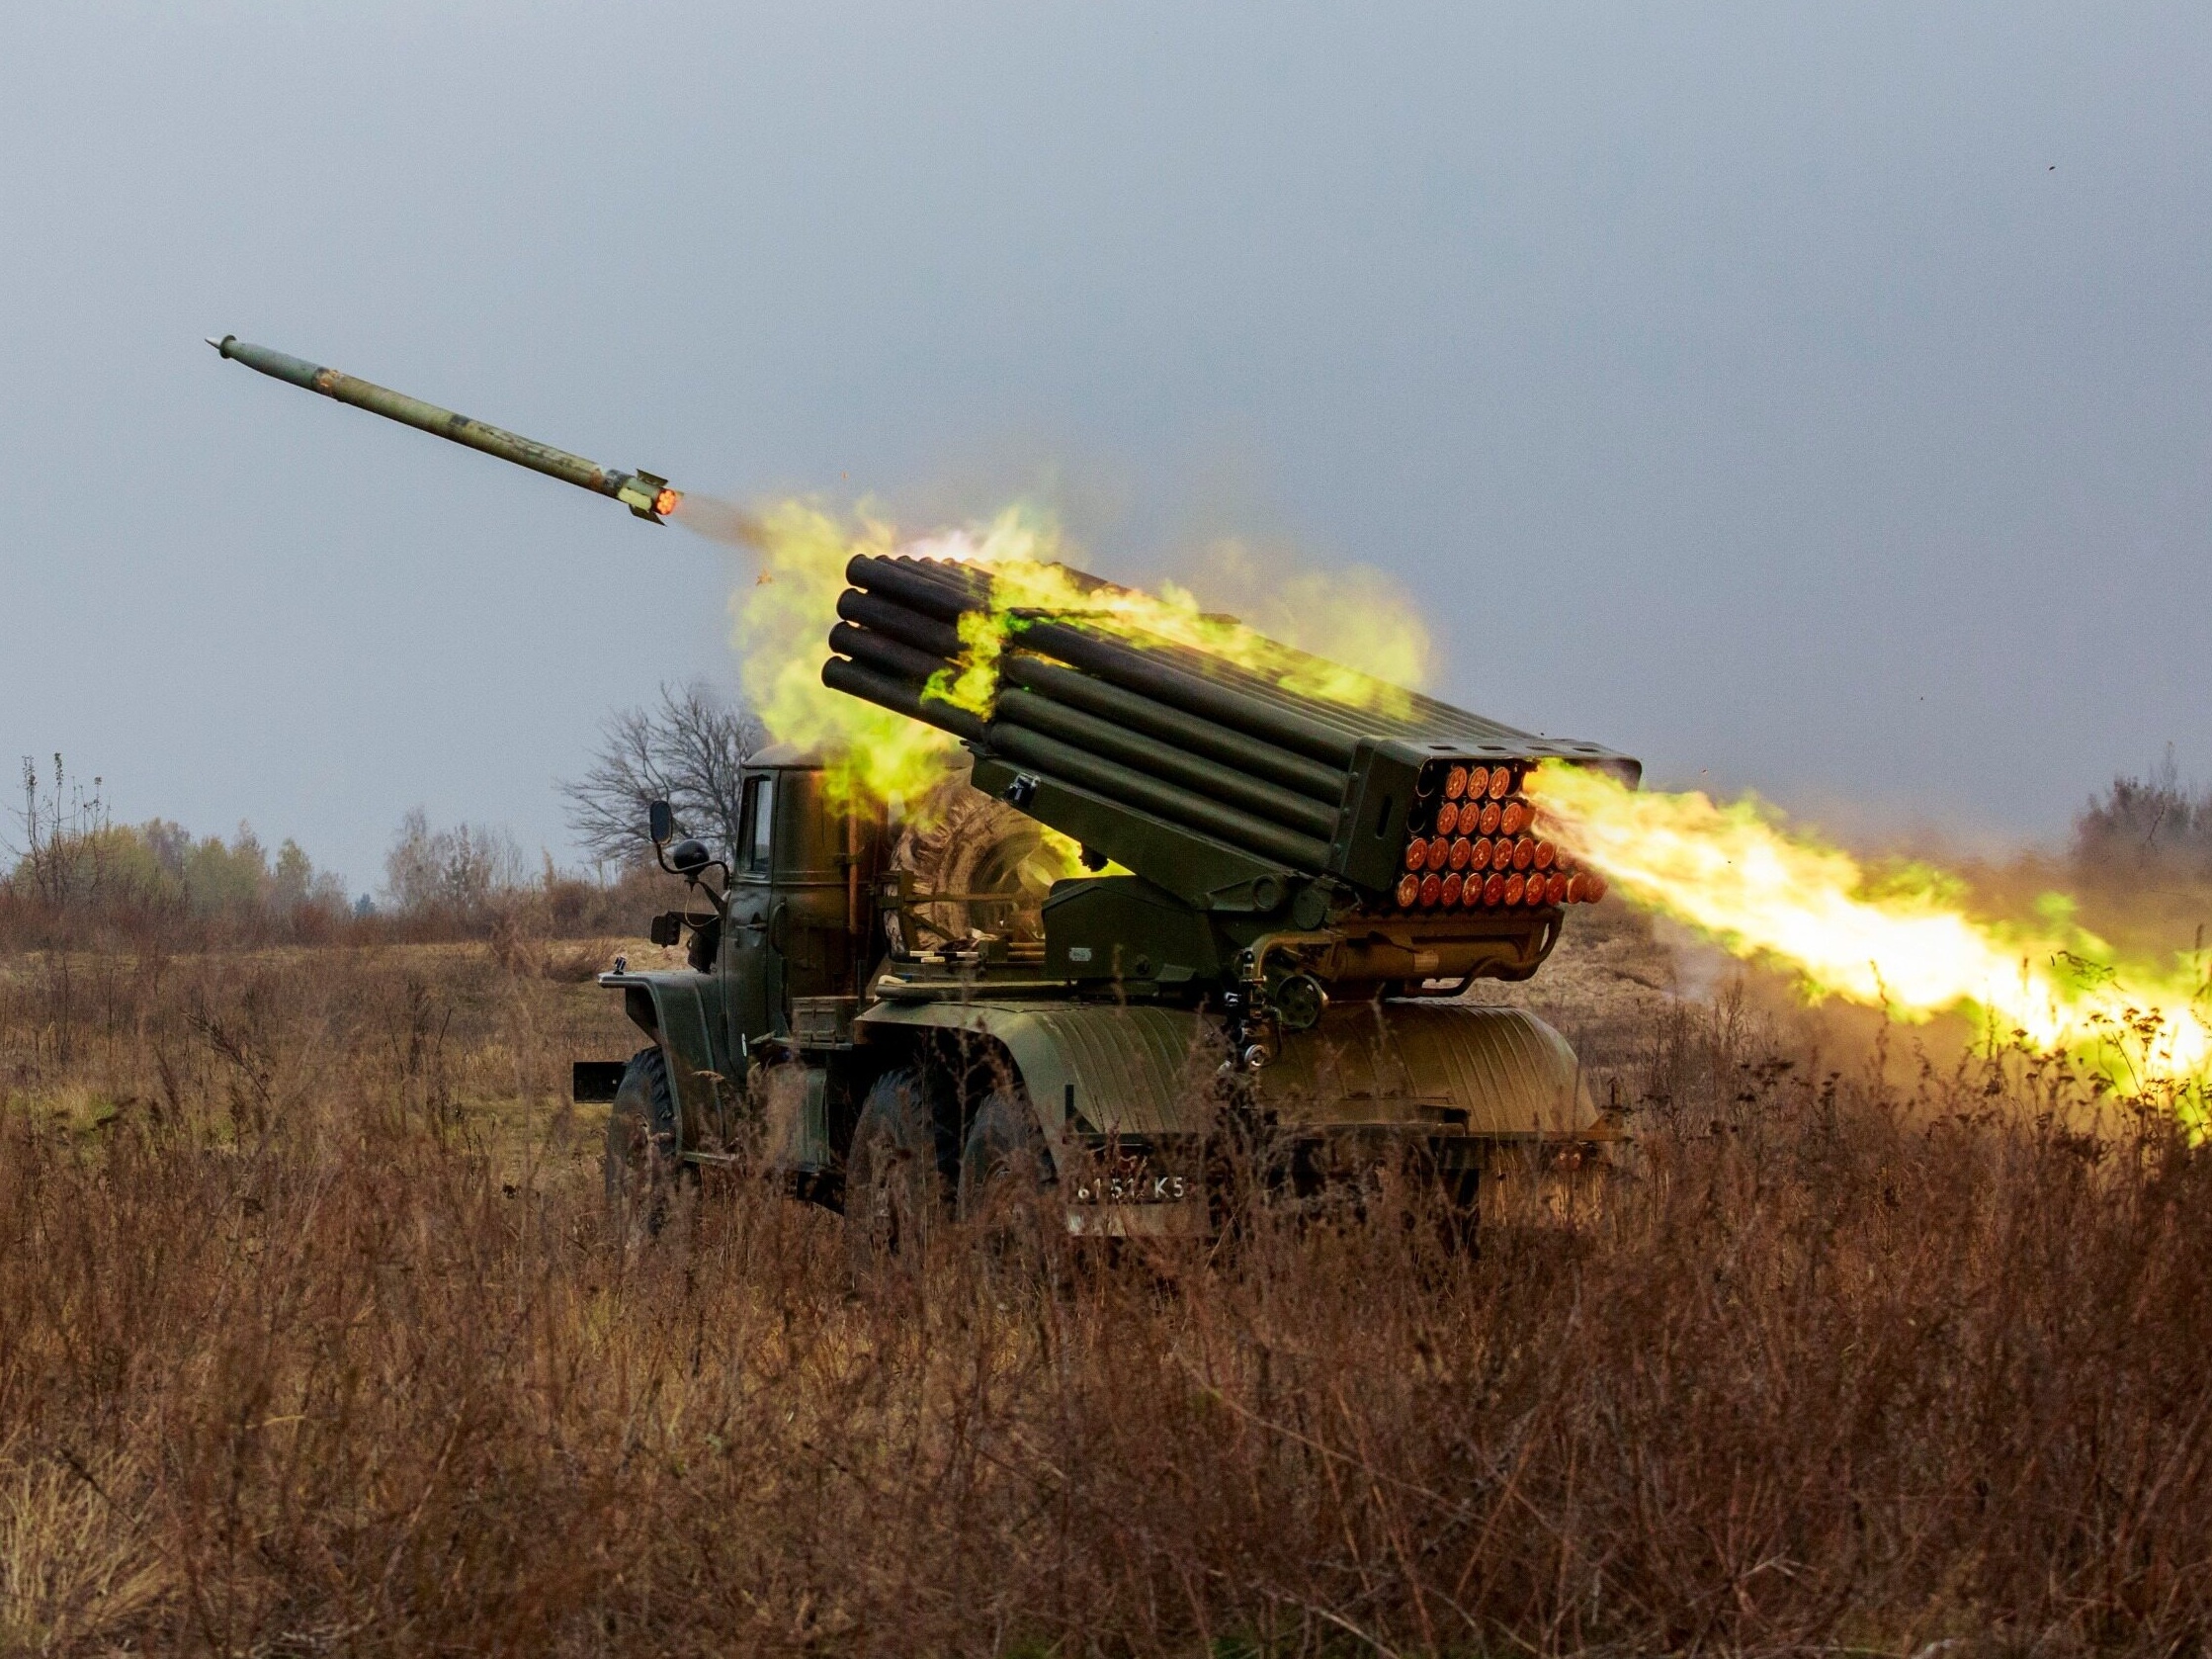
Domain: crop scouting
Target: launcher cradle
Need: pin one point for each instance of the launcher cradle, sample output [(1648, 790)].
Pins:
[(1285, 849)]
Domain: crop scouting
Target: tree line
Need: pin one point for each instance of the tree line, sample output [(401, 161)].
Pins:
[(690, 746), (66, 864)]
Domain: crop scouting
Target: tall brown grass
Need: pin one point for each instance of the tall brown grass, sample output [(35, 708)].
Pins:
[(313, 1336)]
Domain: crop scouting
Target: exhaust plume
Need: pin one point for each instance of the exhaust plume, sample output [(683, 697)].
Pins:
[(1906, 945)]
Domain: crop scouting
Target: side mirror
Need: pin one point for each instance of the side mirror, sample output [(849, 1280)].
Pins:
[(689, 858), (661, 822)]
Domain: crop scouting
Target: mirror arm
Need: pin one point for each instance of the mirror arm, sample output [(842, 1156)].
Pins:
[(720, 900)]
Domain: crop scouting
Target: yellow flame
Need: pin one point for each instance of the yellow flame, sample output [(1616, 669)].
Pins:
[(781, 622), (1376, 641), (1904, 944)]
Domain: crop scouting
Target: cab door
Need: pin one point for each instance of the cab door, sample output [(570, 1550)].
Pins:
[(752, 969)]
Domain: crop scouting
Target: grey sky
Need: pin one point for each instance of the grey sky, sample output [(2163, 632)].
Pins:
[(1813, 398)]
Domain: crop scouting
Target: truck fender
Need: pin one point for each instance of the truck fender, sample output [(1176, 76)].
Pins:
[(1494, 1073), (1089, 1068), (680, 1006)]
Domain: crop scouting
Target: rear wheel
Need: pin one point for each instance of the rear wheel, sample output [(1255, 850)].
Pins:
[(894, 1173), (640, 1165), (1004, 1156), (1005, 1177)]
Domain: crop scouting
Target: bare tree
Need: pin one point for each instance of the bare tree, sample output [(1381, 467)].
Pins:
[(689, 752), (457, 871)]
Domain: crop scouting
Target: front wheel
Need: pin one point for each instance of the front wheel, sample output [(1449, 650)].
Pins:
[(640, 1165)]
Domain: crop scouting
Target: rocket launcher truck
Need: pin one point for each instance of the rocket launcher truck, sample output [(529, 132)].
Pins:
[(1161, 910)]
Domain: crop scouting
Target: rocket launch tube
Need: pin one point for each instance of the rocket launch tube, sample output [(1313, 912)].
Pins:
[(1140, 790), (900, 698), (1094, 736), (886, 654), (1131, 668), (1127, 667), (1070, 765), (1079, 690), (887, 616), (643, 494), (1257, 710), (920, 587), (1271, 806)]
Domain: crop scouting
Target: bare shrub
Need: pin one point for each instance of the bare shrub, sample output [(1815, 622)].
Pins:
[(2146, 823)]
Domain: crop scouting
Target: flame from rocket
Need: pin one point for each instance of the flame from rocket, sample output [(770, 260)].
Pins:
[(1763, 891)]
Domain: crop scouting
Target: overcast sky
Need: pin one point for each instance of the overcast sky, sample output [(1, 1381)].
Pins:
[(1807, 399)]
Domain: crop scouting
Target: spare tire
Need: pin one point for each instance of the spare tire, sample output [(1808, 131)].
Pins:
[(958, 839)]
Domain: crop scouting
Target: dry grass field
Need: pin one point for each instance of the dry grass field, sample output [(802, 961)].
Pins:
[(315, 1336)]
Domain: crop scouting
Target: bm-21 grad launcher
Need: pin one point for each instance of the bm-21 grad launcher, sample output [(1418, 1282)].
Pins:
[(896, 1017), (1285, 847), (1312, 883)]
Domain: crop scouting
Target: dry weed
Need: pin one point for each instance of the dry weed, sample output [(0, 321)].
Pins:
[(313, 1337)]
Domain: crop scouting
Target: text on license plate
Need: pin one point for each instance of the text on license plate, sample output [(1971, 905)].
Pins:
[(1141, 1188)]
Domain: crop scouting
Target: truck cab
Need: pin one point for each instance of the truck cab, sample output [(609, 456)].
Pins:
[(779, 942), (798, 902)]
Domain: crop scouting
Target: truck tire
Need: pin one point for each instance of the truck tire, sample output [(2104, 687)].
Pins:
[(640, 1165), (1006, 1160), (1006, 1179), (896, 1170)]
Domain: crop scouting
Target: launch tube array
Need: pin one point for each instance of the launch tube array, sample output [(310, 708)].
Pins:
[(1219, 750)]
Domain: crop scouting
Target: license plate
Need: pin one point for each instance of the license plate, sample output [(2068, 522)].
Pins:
[(1136, 1186)]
